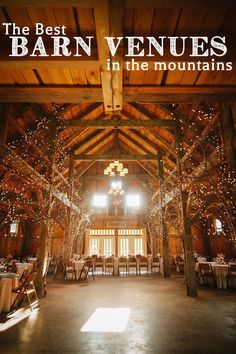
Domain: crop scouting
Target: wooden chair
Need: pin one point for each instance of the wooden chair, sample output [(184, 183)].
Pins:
[(99, 264), (26, 289), (143, 264), (122, 264), (155, 264), (87, 268), (206, 274), (12, 268), (132, 263), (69, 268), (109, 264), (180, 265), (231, 274)]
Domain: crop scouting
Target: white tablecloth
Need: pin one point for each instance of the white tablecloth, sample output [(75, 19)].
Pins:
[(6, 295), (32, 259), (220, 272)]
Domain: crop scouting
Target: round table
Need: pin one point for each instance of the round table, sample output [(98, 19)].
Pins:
[(8, 281)]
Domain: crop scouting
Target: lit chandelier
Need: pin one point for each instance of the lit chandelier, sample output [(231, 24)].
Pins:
[(115, 168)]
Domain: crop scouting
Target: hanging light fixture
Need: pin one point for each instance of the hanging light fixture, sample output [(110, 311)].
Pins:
[(116, 168), (116, 188)]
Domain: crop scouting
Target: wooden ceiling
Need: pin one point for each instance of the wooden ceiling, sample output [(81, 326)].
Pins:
[(93, 106), (76, 79)]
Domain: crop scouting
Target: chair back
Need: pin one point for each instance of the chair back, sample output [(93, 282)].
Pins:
[(109, 261), (143, 260), (232, 270), (68, 264), (205, 268), (99, 260), (155, 260), (132, 260)]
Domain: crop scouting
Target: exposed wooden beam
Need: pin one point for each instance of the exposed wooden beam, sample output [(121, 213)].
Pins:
[(101, 17), (116, 122), (145, 94), (122, 157), (179, 94), (127, 3), (116, 30), (159, 137)]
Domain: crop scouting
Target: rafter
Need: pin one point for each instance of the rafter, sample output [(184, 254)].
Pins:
[(121, 157), (145, 94)]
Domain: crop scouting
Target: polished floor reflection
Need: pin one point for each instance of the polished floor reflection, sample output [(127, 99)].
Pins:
[(137, 315)]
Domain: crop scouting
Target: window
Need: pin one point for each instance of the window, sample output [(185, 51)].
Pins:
[(218, 225), (94, 246), (124, 247), (100, 200), (108, 249), (133, 200), (116, 184), (101, 232), (130, 232), (138, 246), (13, 228)]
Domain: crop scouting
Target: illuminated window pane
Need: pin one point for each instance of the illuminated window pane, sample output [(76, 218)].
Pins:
[(100, 200), (116, 185), (133, 200), (218, 225), (13, 228)]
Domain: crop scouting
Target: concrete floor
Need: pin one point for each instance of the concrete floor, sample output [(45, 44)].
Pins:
[(162, 319)]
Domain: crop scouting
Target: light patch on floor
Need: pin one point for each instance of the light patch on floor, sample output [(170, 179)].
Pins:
[(107, 320)]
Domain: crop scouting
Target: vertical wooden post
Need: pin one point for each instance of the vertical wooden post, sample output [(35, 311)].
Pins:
[(206, 239), (42, 256), (229, 144), (165, 242), (228, 133), (3, 124), (68, 237), (190, 273)]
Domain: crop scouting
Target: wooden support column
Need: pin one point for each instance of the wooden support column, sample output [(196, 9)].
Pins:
[(190, 273), (206, 239), (43, 248), (25, 246), (228, 134), (165, 242), (3, 125), (68, 242)]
